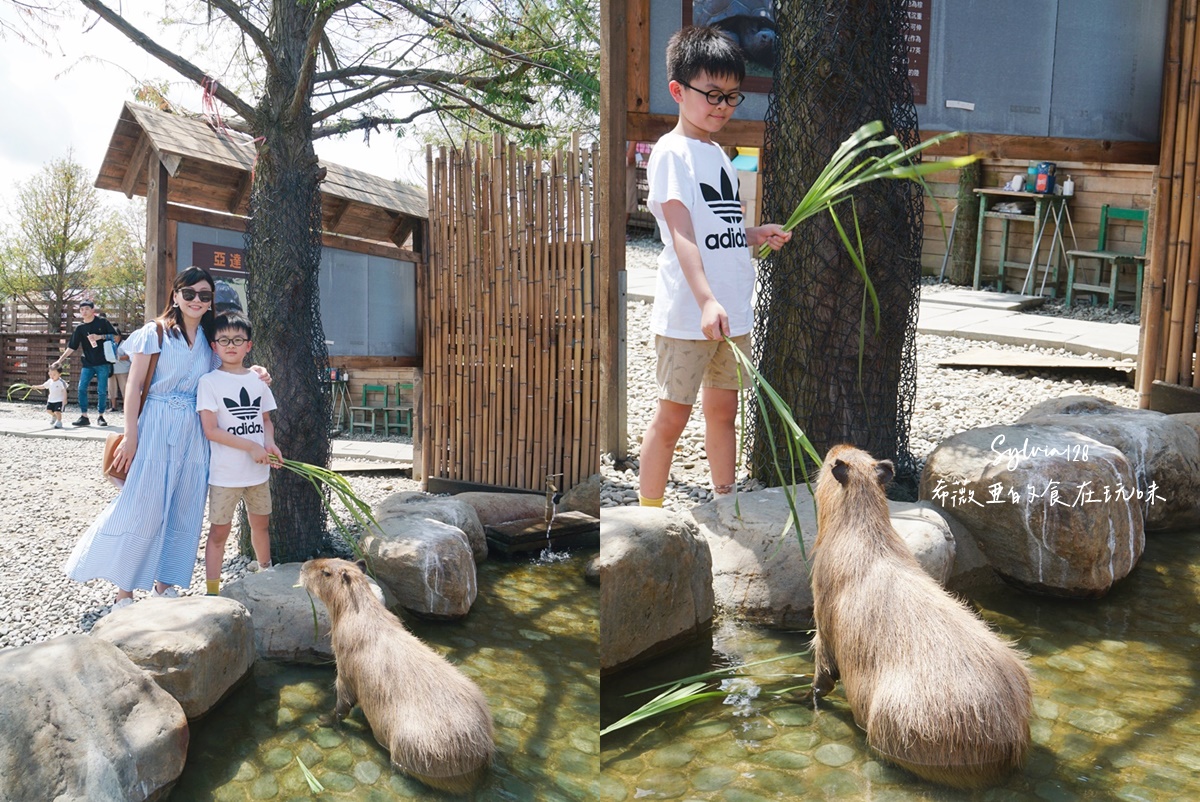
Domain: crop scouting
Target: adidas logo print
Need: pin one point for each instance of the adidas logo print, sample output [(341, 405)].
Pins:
[(725, 204), (243, 408), (246, 411)]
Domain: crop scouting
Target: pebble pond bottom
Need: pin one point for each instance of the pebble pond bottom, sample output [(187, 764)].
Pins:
[(1116, 707), (530, 643)]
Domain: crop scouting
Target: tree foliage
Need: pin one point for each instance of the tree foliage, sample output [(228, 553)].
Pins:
[(67, 245), (437, 68), (29, 22), (117, 273), (43, 262)]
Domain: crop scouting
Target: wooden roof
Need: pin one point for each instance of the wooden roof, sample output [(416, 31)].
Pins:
[(211, 170)]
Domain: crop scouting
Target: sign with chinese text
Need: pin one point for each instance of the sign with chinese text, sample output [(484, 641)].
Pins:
[(916, 37)]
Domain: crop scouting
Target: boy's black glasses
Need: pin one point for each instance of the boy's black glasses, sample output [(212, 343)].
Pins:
[(234, 341), (716, 97), (189, 294)]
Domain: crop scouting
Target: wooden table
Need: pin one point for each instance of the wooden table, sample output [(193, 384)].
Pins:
[(1046, 207)]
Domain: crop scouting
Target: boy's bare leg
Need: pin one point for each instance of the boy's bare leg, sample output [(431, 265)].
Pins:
[(214, 550), (260, 537), (720, 436), (658, 447)]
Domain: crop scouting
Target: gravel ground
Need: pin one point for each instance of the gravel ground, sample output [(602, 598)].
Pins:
[(948, 401), (53, 494)]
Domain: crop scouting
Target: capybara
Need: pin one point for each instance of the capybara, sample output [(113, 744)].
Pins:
[(936, 690), (434, 721)]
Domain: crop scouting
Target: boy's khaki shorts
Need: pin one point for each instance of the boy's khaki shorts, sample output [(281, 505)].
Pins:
[(222, 501), (684, 366)]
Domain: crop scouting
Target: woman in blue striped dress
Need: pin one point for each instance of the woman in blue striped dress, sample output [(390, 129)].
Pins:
[(148, 536)]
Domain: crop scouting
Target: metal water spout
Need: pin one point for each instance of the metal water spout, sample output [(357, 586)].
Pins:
[(553, 495)]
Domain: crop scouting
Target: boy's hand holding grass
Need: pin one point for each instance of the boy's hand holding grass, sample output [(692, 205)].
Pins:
[(714, 321), (770, 235)]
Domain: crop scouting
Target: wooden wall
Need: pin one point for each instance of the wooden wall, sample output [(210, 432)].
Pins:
[(1124, 185), (512, 368)]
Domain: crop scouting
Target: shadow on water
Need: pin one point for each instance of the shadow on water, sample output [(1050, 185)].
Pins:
[(529, 642), (1116, 709)]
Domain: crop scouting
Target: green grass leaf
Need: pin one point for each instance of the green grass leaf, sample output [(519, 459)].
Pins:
[(17, 387), (314, 784)]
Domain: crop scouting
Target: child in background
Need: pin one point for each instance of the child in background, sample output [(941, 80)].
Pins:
[(57, 387), (235, 406)]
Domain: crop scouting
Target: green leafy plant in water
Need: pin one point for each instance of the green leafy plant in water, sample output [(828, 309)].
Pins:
[(697, 688), (314, 784)]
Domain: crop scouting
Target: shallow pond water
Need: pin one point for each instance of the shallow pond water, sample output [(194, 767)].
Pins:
[(530, 642), (1116, 707)]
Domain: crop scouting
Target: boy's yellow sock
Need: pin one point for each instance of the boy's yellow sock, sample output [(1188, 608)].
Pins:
[(213, 586), (649, 502)]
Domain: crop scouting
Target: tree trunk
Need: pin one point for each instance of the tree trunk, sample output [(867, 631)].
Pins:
[(283, 254), (966, 227), (841, 64)]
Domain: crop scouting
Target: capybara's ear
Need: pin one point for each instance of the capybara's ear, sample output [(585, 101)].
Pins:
[(362, 565), (841, 472), (884, 471)]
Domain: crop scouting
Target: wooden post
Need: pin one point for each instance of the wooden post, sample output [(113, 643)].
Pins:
[(610, 234), (966, 226), (157, 284)]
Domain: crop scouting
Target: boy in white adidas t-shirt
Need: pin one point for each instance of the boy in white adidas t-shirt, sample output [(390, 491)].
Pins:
[(705, 277), (235, 406)]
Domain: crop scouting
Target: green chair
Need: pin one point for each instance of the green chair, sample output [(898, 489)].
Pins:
[(1111, 260), (403, 410), (380, 393)]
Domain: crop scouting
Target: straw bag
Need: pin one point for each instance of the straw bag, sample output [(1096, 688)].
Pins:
[(114, 440)]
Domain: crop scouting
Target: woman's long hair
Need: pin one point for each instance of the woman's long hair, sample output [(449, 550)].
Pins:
[(172, 317)]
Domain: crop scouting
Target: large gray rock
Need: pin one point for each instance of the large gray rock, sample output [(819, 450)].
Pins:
[(426, 565), (448, 510), (198, 648), (283, 615), (759, 573), (583, 497), (81, 723), (655, 584), (500, 508), (1046, 518), (1163, 450)]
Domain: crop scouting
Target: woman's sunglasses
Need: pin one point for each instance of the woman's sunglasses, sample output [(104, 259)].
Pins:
[(189, 294)]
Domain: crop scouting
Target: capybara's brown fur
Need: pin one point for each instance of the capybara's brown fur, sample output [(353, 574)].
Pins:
[(935, 689), (434, 721)]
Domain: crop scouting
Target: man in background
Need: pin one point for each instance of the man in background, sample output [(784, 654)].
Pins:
[(89, 337)]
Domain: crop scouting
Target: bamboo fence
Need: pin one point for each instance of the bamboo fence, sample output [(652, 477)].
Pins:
[(511, 365), (1169, 302)]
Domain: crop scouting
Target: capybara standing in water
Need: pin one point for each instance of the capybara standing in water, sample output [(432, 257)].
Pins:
[(434, 721), (935, 689)]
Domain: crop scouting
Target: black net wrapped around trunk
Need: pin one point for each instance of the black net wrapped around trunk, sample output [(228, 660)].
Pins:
[(840, 65), (283, 257)]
